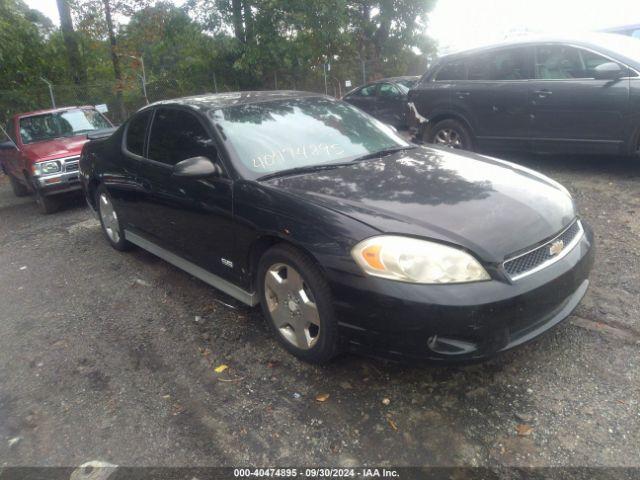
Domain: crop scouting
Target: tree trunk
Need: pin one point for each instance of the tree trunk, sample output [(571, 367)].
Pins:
[(238, 28), (248, 21), (78, 72), (116, 62)]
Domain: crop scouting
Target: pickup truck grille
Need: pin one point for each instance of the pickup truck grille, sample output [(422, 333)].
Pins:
[(543, 256), (71, 164)]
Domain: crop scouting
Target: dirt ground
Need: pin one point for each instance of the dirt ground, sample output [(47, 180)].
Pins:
[(111, 356)]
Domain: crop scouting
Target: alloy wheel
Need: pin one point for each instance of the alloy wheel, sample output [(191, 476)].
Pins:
[(449, 138), (292, 306), (109, 218)]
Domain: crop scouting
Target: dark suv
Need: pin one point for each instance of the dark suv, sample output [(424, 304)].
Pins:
[(546, 95)]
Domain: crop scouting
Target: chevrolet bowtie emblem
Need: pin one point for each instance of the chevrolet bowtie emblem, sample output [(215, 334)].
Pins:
[(556, 247)]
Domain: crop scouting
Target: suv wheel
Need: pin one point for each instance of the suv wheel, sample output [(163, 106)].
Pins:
[(109, 220), (450, 133), (296, 301), (19, 189)]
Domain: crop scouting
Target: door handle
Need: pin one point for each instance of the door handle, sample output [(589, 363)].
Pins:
[(463, 94), (543, 93)]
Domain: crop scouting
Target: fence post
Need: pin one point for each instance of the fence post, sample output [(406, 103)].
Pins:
[(50, 85)]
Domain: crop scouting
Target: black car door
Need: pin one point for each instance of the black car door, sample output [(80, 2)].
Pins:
[(572, 110), (190, 217), (364, 98), (494, 98), (391, 104)]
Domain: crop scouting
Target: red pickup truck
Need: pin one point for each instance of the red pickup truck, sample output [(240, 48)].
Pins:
[(41, 153)]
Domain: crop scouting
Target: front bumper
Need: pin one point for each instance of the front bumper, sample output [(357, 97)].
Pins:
[(459, 322), (64, 181)]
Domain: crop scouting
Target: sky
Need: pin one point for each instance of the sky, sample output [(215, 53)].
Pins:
[(459, 24)]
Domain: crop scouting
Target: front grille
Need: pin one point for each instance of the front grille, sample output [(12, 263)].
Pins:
[(541, 256), (71, 166)]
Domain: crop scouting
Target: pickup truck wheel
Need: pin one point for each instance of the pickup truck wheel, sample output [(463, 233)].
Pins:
[(19, 189), (296, 302), (110, 221), (46, 204), (450, 133)]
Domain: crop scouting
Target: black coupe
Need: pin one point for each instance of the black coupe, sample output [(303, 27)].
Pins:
[(344, 233)]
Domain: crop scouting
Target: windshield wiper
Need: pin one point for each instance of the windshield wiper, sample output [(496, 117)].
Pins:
[(328, 166), (297, 170), (383, 153)]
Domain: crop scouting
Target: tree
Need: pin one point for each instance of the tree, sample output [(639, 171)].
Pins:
[(76, 67)]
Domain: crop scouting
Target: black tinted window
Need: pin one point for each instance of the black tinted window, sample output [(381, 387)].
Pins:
[(368, 91), (135, 132), (177, 135), (453, 71), (387, 90), (508, 64), (559, 62)]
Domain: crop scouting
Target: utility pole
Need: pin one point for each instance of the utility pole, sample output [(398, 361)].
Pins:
[(50, 85), (143, 77)]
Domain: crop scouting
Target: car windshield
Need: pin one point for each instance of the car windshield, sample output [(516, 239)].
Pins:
[(408, 83), (67, 123), (282, 135)]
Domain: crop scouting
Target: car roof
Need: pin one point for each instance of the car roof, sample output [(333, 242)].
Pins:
[(50, 110), (585, 39), (214, 101)]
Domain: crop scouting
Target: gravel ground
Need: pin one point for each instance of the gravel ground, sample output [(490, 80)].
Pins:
[(112, 356)]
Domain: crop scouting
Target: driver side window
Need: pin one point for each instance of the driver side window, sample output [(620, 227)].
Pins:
[(388, 91), (177, 135)]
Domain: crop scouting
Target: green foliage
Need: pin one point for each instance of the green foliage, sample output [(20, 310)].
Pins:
[(238, 44)]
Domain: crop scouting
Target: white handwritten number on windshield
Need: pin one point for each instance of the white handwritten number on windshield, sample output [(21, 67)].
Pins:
[(294, 156)]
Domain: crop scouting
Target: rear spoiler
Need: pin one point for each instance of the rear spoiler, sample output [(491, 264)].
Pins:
[(102, 133)]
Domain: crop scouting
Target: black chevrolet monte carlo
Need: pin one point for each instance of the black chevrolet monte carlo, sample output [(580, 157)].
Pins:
[(344, 233)]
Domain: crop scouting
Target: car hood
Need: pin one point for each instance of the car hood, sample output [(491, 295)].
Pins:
[(491, 207), (56, 148)]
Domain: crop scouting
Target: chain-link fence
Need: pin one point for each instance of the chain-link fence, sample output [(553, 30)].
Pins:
[(133, 94)]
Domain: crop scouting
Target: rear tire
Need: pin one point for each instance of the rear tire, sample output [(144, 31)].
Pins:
[(19, 189), (450, 133), (296, 303), (110, 221)]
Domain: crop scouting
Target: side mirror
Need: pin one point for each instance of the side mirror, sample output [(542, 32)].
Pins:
[(197, 167), (7, 145), (608, 71)]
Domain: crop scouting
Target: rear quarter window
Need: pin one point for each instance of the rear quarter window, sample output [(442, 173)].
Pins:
[(136, 131)]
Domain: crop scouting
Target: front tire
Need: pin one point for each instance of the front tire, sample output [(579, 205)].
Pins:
[(450, 133), (19, 189), (46, 204), (296, 302), (110, 221)]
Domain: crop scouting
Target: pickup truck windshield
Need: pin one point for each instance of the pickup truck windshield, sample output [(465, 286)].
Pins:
[(68, 123), (298, 133)]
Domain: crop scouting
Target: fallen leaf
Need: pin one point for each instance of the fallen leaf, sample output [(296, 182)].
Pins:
[(524, 430), (221, 368), (322, 397), (392, 424)]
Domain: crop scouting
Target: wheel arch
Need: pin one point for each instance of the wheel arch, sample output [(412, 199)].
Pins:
[(433, 121), (264, 243), (92, 188)]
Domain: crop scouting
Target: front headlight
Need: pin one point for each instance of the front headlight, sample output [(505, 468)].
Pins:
[(416, 261), (45, 168)]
